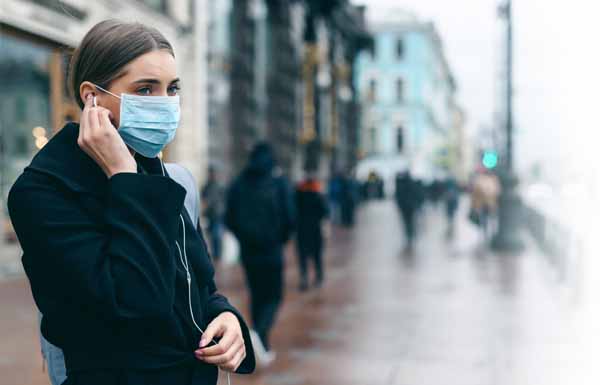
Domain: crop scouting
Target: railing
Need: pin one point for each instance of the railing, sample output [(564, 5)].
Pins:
[(554, 236)]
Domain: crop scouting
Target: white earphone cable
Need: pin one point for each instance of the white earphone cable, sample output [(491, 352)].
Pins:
[(185, 263)]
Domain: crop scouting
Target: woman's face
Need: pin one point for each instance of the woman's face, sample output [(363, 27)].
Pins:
[(152, 74)]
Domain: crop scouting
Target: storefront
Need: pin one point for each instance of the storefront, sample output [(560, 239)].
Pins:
[(34, 102)]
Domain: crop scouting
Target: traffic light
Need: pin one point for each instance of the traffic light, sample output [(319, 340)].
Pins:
[(489, 159)]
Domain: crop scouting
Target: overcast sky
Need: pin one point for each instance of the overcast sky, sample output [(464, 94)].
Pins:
[(471, 34)]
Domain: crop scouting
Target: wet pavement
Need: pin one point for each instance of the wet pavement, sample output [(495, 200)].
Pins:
[(452, 314)]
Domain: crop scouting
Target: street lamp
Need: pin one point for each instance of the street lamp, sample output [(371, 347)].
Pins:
[(509, 214)]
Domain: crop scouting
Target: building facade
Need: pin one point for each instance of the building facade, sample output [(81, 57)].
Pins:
[(291, 82), (408, 96)]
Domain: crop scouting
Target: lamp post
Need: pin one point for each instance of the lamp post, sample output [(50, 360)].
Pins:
[(509, 218)]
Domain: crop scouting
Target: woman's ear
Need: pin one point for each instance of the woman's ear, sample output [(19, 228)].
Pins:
[(86, 88)]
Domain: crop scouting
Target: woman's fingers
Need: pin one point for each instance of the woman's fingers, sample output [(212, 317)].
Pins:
[(214, 329), (94, 122), (235, 363), (106, 124), (231, 350), (84, 121), (216, 354), (223, 346), (229, 357)]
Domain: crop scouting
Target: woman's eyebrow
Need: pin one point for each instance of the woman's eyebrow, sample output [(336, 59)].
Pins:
[(149, 80), (175, 81)]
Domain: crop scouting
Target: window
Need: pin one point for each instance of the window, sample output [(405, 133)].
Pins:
[(400, 139), (400, 90), (400, 48)]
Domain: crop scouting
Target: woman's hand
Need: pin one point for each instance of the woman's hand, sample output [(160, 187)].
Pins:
[(101, 141), (229, 353)]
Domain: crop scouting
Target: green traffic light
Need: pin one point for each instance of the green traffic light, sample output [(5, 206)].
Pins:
[(490, 159)]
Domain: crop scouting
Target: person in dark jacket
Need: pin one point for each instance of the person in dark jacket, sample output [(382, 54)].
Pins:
[(260, 213), (349, 198), (408, 199), (312, 210), (115, 264), (451, 198)]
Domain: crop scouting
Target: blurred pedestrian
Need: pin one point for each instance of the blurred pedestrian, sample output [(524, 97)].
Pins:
[(312, 211), (374, 186), (335, 189), (485, 191), (408, 198), (114, 261), (260, 214), (213, 209), (451, 198), (350, 196)]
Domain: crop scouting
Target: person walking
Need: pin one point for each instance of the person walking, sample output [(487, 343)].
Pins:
[(213, 203), (485, 191), (312, 211), (335, 192), (260, 213), (408, 200), (451, 198), (349, 199), (115, 264)]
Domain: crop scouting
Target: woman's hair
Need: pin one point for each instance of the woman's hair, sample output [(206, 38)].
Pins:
[(107, 48)]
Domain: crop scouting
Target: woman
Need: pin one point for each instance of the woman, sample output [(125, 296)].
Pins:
[(115, 264)]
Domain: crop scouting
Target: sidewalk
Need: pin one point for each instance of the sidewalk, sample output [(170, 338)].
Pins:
[(455, 313)]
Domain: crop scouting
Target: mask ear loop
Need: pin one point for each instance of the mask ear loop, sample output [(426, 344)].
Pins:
[(107, 91), (184, 262)]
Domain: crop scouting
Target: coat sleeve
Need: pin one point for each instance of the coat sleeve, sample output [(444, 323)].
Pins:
[(218, 304), (121, 268)]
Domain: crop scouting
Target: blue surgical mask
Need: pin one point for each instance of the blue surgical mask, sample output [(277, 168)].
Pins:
[(148, 123)]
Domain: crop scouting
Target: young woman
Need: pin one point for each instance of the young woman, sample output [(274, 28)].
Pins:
[(116, 266)]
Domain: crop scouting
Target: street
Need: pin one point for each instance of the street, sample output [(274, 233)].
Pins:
[(452, 314)]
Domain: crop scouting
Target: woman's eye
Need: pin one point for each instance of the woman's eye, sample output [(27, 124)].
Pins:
[(173, 90), (144, 91)]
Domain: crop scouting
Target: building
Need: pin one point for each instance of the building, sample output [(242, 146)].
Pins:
[(335, 33), (36, 40), (291, 82), (219, 55), (407, 91)]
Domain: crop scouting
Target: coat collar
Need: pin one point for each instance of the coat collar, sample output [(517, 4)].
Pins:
[(64, 160)]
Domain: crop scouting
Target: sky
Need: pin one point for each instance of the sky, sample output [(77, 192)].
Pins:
[(473, 36)]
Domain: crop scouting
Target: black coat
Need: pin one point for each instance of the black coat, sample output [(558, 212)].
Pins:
[(260, 210), (104, 269), (312, 210)]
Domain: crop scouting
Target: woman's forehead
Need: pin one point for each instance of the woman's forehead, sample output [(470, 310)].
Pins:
[(152, 65)]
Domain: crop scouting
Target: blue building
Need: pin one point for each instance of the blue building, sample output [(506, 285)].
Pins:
[(409, 114)]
